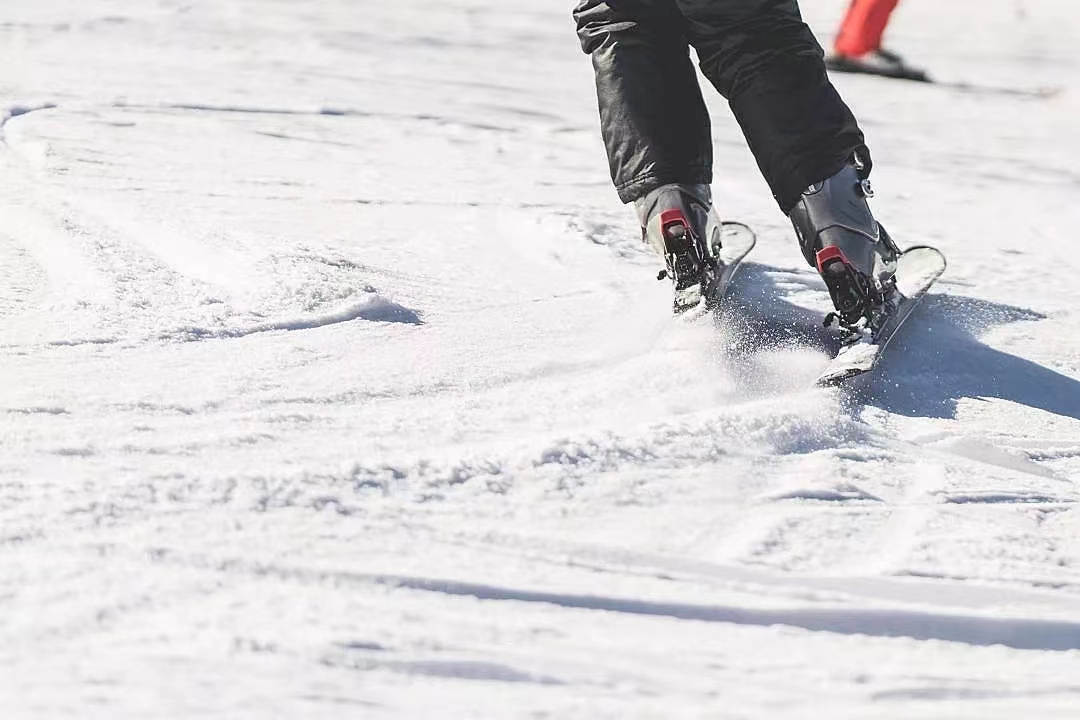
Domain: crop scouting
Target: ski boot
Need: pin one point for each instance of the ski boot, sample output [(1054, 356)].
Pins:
[(877, 62), (851, 250), (678, 221)]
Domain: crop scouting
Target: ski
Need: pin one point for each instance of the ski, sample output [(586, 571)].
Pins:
[(1045, 92), (916, 75), (917, 269), (735, 243)]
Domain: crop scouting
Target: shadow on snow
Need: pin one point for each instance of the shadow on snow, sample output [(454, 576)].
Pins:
[(935, 361), (938, 359)]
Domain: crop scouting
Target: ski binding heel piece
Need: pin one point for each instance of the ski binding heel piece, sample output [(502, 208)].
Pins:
[(851, 292), (685, 264)]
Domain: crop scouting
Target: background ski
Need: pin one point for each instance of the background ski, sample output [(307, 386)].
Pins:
[(961, 86), (917, 75), (970, 88), (918, 268)]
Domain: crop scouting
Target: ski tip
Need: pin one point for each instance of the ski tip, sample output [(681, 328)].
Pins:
[(926, 250), (736, 241)]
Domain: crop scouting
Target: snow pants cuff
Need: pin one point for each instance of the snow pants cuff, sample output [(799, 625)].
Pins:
[(652, 116), (639, 187)]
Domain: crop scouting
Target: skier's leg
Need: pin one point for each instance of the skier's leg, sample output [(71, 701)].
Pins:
[(653, 119), (838, 234), (656, 130), (762, 57), (863, 27)]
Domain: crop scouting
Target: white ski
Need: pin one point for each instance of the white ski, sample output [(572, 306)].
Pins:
[(736, 242), (918, 268)]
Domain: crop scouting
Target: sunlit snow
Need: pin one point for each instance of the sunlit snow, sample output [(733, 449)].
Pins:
[(335, 382)]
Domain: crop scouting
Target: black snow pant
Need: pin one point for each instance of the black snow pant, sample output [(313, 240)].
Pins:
[(757, 53)]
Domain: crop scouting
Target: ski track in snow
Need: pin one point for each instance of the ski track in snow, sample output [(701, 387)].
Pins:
[(336, 383)]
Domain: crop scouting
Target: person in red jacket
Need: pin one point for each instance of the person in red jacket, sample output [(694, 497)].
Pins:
[(858, 44)]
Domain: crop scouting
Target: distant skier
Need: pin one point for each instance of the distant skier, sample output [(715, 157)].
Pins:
[(761, 57), (857, 48)]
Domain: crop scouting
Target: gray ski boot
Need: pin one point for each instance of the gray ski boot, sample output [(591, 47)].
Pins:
[(840, 237), (678, 221)]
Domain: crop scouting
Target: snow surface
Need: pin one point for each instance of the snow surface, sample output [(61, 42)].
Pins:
[(336, 383)]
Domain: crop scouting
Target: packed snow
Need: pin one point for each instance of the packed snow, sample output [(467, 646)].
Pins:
[(336, 382)]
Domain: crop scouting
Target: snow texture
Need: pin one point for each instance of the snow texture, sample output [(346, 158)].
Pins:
[(337, 383)]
